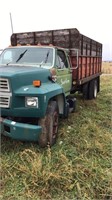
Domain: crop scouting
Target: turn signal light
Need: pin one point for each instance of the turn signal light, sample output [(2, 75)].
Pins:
[(37, 83)]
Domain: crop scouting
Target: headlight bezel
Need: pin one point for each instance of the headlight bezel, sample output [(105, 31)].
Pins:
[(31, 102)]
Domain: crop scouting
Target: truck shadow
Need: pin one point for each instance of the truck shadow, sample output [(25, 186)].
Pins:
[(9, 145)]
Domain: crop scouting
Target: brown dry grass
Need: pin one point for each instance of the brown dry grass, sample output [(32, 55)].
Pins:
[(107, 67)]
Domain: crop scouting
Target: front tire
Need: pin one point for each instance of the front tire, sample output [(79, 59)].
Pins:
[(49, 125)]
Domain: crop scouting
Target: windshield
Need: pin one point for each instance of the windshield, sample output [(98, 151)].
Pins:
[(40, 56)]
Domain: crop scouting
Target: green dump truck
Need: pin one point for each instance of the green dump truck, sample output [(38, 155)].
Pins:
[(39, 73)]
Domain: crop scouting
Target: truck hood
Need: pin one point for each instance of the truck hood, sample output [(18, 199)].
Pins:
[(19, 69), (23, 75)]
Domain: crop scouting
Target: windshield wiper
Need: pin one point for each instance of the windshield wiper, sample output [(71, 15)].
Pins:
[(21, 55), (46, 58)]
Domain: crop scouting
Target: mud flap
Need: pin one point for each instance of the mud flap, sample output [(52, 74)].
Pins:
[(66, 111)]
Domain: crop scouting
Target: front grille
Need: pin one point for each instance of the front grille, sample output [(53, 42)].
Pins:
[(5, 94), (4, 101), (4, 85)]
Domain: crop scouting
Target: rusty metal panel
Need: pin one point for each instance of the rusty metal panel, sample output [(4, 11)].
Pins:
[(89, 50), (66, 38), (89, 47)]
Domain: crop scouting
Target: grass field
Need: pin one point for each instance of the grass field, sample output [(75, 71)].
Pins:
[(107, 67), (79, 166)]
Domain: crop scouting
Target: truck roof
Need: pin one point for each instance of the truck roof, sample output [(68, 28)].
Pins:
[(37, 46)]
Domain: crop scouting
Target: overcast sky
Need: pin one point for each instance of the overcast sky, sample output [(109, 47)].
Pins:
[(92, 18)]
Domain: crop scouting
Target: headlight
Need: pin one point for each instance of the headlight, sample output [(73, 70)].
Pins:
[(31, 102)]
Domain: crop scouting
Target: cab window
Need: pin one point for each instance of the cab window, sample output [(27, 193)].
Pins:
[(61, 60)]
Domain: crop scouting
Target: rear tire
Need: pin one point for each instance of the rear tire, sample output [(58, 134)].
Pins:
[(49, 125), (98, 84), (93, 89), (85, 91)]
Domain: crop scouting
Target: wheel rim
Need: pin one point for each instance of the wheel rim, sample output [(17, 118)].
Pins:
[(95, 90)]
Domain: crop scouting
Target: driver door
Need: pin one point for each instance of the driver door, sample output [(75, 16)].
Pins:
[(64, 75)]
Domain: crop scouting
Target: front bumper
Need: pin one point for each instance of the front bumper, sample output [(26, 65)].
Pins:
[(19, 131)]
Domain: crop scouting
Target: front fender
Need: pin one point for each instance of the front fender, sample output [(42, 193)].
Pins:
[(45, 92)]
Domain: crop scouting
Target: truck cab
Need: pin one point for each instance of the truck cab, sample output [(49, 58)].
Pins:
[(34, 80), (55, 59)]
